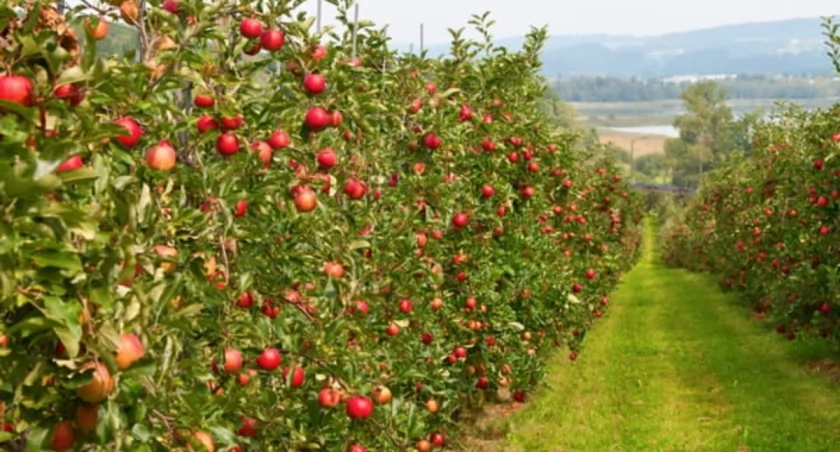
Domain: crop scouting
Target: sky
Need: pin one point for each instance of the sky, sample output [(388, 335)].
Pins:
[(515, 17)]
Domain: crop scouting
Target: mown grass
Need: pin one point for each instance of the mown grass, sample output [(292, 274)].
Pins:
[(679, 366)]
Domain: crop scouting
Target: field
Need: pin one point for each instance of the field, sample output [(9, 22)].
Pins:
[(628, 114), (643, 144)]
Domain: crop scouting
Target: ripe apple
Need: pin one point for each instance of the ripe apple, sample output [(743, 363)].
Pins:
[(232, 123), (63, 436), (406, 306), (134, 132), (248, 428), (129, 11), (432, 141), (487, 191), (161, 157), (206, 123), (272, 40), (279, 140), (392, 330), (17, 89), (354, 189), (381, 394), (432, 405), (329, 398), (314, 84), (359, 407), (100, 31), (251, 28), (427, 338), (423, 446), (459, 220), (356, 448), (319, 52), (170, 6), (101, 385), (305, 199), (205, 440), (70, 93), (241, 208), (87, 417), (130, 350), (298, 376), (334, 270), (437, 439), (436, 304), (233, 361), (327, 159), (73, 163), (204, 101), (269, 359), (169, 255), (336, 118), (317, 119), (227, 144)]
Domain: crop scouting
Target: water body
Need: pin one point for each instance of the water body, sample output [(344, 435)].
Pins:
[(662, 130)]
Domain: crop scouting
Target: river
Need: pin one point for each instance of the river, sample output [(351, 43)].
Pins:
[(663, 130)]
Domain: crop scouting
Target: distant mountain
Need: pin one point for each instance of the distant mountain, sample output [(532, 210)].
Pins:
[(788, 47)]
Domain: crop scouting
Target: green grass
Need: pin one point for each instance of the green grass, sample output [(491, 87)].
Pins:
[(679, 366)]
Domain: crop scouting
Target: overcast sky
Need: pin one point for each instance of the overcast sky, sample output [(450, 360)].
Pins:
[(514, 17)]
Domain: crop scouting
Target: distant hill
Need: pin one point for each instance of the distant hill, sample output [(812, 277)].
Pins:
[(786, 47)]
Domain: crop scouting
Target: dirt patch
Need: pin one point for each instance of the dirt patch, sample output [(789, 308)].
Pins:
[(485, 430), (642, 144), (826, 367)]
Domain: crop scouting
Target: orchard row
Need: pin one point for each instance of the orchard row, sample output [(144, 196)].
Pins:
[(766, 225), (203, 252)]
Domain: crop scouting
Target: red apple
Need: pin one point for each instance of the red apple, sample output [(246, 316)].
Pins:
[(206, 123), (317, 118), (134, 132), (63, 436), (298, 376), (227, 144), (314, 84), (329, 398), (272, 40), (204, 101), (70, 93), (279, 140), (251, 28), (16, 89), (359, 407), (73, 163), (269, 359), (161, 157), (306, 200), (327, 159), (130, 350)]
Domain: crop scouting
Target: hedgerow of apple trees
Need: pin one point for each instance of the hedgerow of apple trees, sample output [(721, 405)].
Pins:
[(766, 225), (344, 254)]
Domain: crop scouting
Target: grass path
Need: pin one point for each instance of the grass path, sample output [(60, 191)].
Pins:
[(679, 366)]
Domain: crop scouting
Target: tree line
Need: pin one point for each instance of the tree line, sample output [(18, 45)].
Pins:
[(615, 89), (708, 133)]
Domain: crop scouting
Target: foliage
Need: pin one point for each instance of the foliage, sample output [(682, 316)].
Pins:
[(432, 272)]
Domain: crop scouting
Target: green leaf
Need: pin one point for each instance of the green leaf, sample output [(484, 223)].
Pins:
[(73, 74), (67, 315), (78, 175), (65, 260)]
